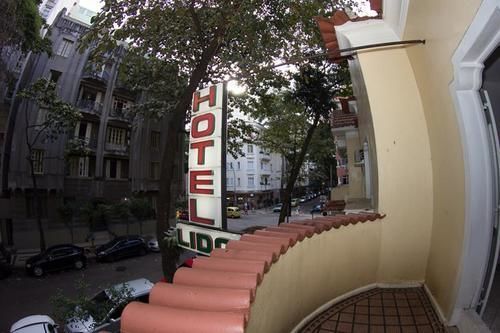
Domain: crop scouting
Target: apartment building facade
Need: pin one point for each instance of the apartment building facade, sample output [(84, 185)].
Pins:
[(120, 156), (255, 178)]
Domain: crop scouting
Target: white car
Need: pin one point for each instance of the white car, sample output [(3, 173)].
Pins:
[(137, 290), (34, 324)]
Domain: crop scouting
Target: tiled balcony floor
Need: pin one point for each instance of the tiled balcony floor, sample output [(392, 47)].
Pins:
[(384, 310)]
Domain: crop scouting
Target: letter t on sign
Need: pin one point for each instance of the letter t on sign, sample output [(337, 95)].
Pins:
[(211, 98)]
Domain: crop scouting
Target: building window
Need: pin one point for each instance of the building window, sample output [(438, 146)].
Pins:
[(345, 180), (239, 166), (19, 64), (65, 48), (120, 104), (239, 181), (230, 181), (81, 166), (230, 165), (116, 136), (250, 149), (262, 165), (155, 140), (154, 172), (55, 75), (37, 156), (251, 181), (116, 169), (250, 165)]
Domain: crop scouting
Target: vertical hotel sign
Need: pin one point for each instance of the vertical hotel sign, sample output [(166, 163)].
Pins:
[(207, 174), (207, 158)]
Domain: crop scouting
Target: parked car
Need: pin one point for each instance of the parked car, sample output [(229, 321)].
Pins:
[(135, 290), (233, 212), (122, 247), (277, 208), (56, 258), (317, 208), (302, 199), (34, 324), (295, 202), (153, 244)]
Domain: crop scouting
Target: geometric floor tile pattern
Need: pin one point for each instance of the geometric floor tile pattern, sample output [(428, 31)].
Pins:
[(379, 310)]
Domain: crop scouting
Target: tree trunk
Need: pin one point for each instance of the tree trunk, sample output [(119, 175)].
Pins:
[(38, 204), (72, 230), (296, 170), (166, 213)]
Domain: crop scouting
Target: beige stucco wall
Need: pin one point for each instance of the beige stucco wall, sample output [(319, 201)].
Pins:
[(404, 164), (442, 30), (340, 193), (314, 272)]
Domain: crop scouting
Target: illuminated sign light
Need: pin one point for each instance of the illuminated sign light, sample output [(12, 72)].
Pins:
[(207, 173)]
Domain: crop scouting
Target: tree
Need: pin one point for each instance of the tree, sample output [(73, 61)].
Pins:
[(178, 45), (305, 105), (20, 25), (44, 124), (321, 153), (142, 210), (67, 213), (93, 311), (122, 211)]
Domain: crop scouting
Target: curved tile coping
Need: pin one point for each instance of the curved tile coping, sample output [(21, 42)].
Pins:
[(216, 294)]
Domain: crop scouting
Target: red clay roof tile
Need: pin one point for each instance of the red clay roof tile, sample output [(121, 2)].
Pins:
[(296, 233), (275, 249), (266, 233), (147, 318), (267, 258), (231, 265), (200, 298), (219, 279)]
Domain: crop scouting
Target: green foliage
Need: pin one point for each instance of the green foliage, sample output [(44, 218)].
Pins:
[(95, 213), (20, 25), (81, 307), (321, 153), (141, 208), (55, 117)]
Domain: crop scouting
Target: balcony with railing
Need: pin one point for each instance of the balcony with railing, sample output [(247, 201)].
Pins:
[(117, 149), (90, 106), (77, 142), (102, 76), (123, 114), (265, 156)]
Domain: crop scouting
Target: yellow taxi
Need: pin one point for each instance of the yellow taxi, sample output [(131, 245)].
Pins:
[(233, 212)]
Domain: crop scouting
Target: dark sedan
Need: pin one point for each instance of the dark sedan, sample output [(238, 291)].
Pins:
[(56, 258), (122, 247)]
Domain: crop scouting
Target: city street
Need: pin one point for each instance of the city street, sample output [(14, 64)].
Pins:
[(23, 295)]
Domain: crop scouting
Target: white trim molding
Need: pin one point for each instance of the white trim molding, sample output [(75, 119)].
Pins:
[(480, 40)]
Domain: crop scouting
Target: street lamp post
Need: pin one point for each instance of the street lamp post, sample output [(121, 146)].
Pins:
[(234, 186)]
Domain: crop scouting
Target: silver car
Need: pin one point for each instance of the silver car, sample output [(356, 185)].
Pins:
[(34, 324), (135, 290)]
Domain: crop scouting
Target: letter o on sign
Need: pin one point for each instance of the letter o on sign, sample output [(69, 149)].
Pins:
[(195, 125)]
